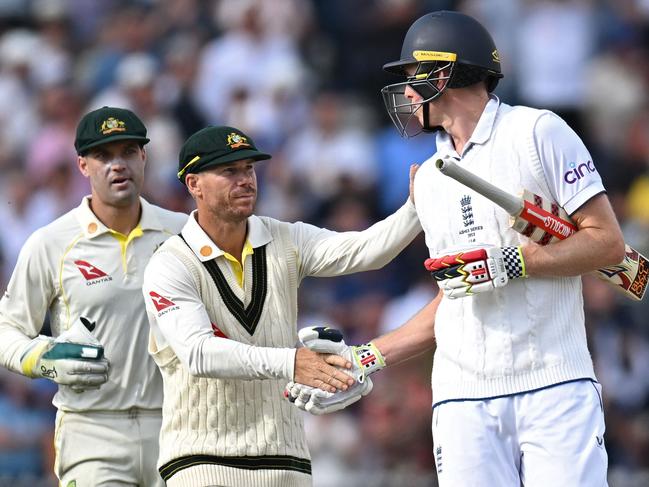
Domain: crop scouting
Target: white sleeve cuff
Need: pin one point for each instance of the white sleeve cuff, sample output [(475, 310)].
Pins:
[(578, 200)]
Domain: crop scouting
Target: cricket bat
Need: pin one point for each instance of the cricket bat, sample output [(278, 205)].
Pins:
[(547, 222)]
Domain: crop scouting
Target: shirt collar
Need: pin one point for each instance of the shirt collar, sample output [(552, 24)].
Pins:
[(205, 249), (92, 226), (482, 130)]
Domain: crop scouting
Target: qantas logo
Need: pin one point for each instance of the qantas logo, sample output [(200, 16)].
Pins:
[(160, 302), (88, 270), (92, 274)]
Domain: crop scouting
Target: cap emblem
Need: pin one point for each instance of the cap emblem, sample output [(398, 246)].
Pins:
[(235, 141), (112, 125)]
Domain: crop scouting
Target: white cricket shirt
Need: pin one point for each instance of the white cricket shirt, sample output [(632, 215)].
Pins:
[(530, 333)]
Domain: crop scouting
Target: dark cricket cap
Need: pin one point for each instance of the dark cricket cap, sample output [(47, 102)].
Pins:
[(108, 124), (212, 146)]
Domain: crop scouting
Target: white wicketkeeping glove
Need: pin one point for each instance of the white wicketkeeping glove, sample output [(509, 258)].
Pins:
[(476, 270), (365, 359), (75, 358)]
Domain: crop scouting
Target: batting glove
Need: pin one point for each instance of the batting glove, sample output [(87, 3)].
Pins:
[(365, 359), (478, 270), (318, 402), (75, 358)]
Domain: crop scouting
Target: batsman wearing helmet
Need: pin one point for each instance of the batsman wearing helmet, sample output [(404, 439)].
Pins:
[(85, 269), (516, 400)]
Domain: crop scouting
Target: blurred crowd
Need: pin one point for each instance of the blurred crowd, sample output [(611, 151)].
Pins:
[(302, 77)]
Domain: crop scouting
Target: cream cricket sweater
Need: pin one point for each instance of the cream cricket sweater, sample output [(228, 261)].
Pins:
[(222, 424)]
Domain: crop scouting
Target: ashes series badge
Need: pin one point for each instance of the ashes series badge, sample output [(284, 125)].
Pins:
[(468, 219)]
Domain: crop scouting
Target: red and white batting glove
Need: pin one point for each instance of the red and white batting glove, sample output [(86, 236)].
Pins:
[(365, 359), (476, 270)]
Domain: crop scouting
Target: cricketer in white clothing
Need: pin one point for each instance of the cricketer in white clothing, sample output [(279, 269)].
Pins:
[(223, 320), (89, 264), (515, 398)]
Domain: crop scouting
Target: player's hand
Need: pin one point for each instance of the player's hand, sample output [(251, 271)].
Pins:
[(321, 370), (476, 270), (365, 359), (316, 401), (75, 359)]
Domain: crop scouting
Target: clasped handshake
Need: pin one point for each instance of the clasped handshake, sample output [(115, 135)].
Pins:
[(365, 360)]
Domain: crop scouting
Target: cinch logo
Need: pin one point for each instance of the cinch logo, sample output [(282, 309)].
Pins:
[(92, 274), (577, 172), (160, 302)]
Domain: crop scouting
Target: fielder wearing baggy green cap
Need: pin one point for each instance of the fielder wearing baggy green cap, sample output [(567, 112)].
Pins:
[(108, 124), (84, 270), (215, 145)]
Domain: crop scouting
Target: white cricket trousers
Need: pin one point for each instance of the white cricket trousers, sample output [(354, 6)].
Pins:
[(549, 437), (108, 449)]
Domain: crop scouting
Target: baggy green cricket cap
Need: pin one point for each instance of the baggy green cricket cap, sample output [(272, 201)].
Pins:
[(216, 145), (108, 124)]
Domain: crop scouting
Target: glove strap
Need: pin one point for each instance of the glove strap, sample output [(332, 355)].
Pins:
[(31, 357), (514, 262), (368, 358)]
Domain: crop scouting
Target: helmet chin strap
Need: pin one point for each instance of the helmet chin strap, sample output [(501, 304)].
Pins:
[(426, 127), (426, 111)]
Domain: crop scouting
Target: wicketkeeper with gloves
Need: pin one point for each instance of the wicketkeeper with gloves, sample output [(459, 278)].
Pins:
[(85, 270), (515, 398)]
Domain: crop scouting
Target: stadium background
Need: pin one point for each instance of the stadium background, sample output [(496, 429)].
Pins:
[(303, 78)]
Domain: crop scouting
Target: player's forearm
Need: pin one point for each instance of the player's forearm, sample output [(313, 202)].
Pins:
[(13, 343), (580, 254), (228, 359), (416, 336), (597, 243), (373, 248), (384, 240)]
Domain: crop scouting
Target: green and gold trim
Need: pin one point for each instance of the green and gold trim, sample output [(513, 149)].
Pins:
[(247, 317), (265, 462), (182, 172)]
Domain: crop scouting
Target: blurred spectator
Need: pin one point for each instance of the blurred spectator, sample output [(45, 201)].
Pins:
[(17, 92), (25, 428), (621, 353), (137, 87), (20, 216), (394, 156), (236, 64), (556, 38), (180, 67), (51, 158), (328, 155)]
